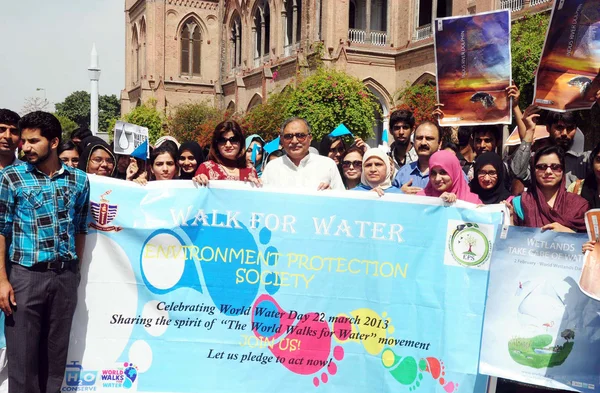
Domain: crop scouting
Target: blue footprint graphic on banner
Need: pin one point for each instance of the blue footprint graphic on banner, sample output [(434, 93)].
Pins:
[(130, 375), (196, 253)]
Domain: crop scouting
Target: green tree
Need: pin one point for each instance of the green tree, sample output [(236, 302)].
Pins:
[(527, 41), (330, 97), (76, 107), (67, 126), (420, 99), (109, 108), (266, 119), (187, 119)]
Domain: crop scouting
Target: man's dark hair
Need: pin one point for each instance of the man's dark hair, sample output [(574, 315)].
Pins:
[(568, 118), (464, 135), (402, 115), (9, 117), (47, 123), (67, 146), (452, 146), (493, 129), (81, 133), (432, 124)]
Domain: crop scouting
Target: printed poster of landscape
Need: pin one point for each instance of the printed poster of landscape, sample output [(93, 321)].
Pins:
[(567, 77), (474, 68)]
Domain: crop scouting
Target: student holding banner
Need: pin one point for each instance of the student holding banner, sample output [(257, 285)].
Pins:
[(446, 179), (227, 157), (299, 168), (376, 173), (547, 204)]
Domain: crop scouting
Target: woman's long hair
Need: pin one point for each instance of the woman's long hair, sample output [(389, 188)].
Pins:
[(214, 154)]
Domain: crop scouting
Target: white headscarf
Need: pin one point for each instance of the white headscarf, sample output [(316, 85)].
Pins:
[(377, 152)]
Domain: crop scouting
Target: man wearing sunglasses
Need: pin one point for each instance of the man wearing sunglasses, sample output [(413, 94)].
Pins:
[(299, 168), (9, 138)]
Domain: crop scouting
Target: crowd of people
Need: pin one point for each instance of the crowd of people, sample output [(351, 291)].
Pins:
[(44, 196)]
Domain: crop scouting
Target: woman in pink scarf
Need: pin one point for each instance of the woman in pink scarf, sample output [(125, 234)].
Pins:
[(446, 179)]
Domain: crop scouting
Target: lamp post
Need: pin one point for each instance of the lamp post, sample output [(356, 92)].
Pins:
[(94, 74)]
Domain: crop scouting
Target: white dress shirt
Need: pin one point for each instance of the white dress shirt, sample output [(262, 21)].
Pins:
[(312, 171)]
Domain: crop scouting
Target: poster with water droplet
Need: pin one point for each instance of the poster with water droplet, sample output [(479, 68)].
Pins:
[(539, 327), (131, 139), (231, 289)]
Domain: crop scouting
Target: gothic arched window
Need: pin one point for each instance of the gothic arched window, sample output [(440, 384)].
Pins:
[(191, 43)]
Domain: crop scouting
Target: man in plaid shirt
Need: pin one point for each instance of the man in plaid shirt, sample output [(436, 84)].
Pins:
[(43, 210)]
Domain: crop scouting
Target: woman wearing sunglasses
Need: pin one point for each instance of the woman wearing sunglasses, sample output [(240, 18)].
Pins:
[(227, 156), (351, 167), (547, 204)]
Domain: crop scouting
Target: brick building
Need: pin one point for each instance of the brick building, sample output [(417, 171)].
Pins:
[(233, 53)]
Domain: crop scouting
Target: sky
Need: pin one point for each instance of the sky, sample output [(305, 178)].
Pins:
[(47, 44)]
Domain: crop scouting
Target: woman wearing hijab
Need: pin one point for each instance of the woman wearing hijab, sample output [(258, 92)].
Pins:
[(488, 182), (547, 204), (227, 156), (375, 174), (256, 162), (97, 157), (446, 179), (190, 157)]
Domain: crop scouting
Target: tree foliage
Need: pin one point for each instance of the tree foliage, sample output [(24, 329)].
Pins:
[(420, 99), (67, 126), (330, 97), (527, 41), (33, 104), (266, 119), (192, 122), (76, 107)]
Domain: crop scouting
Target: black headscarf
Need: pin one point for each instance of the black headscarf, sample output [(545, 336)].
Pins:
[(89, 145), (589, 190), (196, 150), (499, 192)]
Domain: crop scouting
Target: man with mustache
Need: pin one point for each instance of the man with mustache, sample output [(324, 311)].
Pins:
[(402, 125), (413, 177), (561, 128), (299, 168), (9, 138)]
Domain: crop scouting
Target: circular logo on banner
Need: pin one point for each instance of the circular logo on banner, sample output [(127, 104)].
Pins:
[(469, 246)]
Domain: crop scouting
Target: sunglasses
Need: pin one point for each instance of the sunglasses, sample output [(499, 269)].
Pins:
[(300, 136), (223, 141), (556, 168), (356, 164)]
